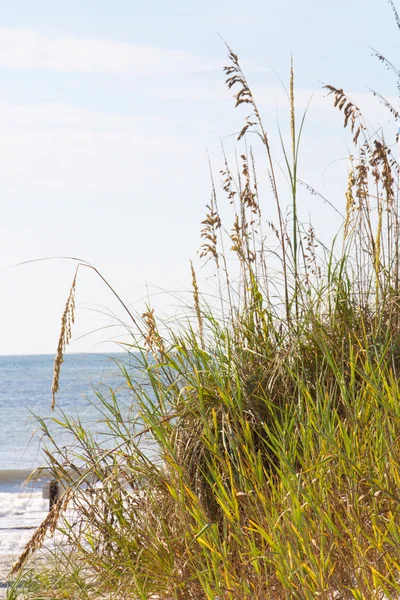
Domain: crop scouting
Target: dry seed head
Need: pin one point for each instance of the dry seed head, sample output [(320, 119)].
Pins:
[(153, 340), (352, 114), (67, 320), (274, 229), (311, 256), (253, 168), (227, 182), (350, 202), (382, 170), (236, 237), (248, 198), (396, 14), (211, 223), (247, 125), (384, 101), (362, 171), (47, 526), (239, 237), (196, 298), (235, 77)]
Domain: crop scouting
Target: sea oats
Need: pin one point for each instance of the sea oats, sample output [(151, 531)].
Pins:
[(211, 224), (48, 525), (196, 297), (152, 338), (352, 114), (67, 321), (350, 203)]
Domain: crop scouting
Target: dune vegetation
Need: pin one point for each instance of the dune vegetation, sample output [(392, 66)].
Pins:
[(261, 456)]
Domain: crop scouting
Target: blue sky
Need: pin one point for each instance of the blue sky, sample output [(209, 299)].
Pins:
[(107, 111)]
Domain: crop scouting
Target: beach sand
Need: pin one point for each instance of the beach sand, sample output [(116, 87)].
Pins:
[(6, 562)]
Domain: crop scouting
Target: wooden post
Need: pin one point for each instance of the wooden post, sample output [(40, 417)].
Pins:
[(53, 493)]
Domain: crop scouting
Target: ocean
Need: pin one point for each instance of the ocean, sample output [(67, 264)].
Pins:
[(25, 393)]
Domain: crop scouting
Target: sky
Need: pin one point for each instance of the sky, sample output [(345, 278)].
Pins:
[(108, 114)]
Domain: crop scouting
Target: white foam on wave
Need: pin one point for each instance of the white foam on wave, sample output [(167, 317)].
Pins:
[(19, 511), (15, 508)]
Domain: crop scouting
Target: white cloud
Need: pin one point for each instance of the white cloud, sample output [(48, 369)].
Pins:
[(201, 94), (58, 116), (113, 189), (28, 49), (63, 148), (275, 97)]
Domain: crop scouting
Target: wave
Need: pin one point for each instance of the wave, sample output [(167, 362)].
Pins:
[(21, 507), (19, 515)]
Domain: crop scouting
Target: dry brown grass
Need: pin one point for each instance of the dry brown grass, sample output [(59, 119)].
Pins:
[(67, 321)]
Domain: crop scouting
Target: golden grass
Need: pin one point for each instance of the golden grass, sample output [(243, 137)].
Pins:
[(67, 320)]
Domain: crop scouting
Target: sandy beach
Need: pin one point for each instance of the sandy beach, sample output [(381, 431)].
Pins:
[(6, 562)]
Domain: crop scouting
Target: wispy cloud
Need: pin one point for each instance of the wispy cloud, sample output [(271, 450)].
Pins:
[(62, 116), (201, 94), (28, 49), (63, 148), (275, 97)]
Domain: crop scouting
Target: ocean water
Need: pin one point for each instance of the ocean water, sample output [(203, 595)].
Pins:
[(25, 391)]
